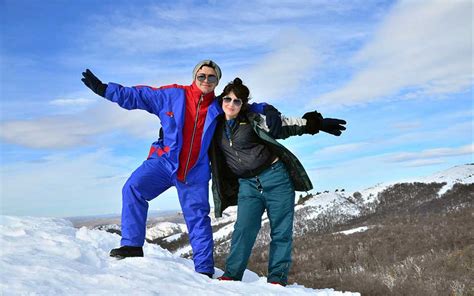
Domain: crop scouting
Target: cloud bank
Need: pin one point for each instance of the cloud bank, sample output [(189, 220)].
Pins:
[(79, 129), (423, 48)]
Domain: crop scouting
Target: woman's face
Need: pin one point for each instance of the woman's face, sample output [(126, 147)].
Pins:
[(231, 105)]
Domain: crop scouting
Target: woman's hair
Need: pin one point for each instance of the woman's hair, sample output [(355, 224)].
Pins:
[(241, 91)]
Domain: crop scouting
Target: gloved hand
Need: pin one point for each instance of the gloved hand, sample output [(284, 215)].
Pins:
[(315, 123), (92, 82), (273, 120)]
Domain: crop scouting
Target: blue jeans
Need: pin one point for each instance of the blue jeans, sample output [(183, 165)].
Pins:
[(273, 191)]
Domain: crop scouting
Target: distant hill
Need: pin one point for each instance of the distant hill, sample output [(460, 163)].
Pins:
[(114, 219)]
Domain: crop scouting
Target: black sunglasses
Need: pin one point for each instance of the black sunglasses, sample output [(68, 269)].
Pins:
[(236, 102), (210, 78)]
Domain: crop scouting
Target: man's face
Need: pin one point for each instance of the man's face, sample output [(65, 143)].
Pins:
[(209, 83)]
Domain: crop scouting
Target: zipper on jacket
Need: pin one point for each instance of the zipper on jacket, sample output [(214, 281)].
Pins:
[(230, 144), (231, 133), (192, 137)]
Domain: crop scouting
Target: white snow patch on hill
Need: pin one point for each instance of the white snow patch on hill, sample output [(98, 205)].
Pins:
[(173, 237), (462, 174), (353, 230), (163, 229), (323, 202)]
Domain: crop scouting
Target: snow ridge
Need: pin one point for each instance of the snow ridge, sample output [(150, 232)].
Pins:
[(462, 174)]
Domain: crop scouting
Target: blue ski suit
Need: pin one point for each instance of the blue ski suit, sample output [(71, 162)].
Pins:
[(159, 171)]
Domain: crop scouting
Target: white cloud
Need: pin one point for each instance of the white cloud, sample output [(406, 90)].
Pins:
[(423, 162), (358, 173), (71, 184), (341, 149), (72, 102), (223, 27), (407, 126), (60, 182), (422, 46), (79, 129), (432, 132), (66, 184), (258, 40), (430, 155), (157, 36), (282, 70)]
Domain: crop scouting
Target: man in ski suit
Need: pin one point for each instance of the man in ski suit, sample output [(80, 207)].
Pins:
[(178, 158)]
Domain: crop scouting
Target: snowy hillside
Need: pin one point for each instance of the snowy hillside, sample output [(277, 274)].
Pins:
[(325, 201), (463, 174), (339, 206), (48, 256)]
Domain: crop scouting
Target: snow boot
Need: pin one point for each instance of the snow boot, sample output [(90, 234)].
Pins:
[(126, 251), (209, 275)]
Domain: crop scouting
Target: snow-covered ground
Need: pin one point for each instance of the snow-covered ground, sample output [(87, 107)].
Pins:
[(48, 256)]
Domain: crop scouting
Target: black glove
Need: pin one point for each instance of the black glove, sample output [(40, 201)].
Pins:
[(273, 120), (92, 82), (315, 123)]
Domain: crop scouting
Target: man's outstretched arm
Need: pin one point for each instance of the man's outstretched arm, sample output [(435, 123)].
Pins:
[(143, 97)]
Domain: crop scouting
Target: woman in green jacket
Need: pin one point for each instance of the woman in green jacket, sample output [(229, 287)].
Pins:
[(251, 168)]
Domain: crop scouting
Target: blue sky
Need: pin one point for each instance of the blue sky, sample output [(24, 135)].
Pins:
[(399, 72)]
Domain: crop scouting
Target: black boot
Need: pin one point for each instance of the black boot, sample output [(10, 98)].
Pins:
[(126, 251), (207, 274)]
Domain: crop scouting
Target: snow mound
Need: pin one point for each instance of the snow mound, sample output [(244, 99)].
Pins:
[(48, 256)]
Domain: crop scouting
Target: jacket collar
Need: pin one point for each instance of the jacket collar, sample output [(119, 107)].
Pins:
[(196, 93)]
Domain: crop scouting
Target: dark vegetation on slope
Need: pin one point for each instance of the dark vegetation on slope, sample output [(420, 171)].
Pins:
[(416, 244)]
